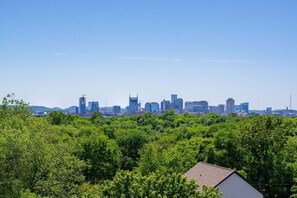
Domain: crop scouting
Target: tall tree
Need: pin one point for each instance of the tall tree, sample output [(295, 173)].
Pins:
[(263, 139)]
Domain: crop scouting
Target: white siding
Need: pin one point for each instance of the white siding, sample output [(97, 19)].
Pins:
[(234, 187)]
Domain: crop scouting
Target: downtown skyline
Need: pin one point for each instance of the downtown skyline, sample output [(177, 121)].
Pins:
[(101, 105), (54, 51)]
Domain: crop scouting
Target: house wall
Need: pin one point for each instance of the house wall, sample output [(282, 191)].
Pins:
[(234, 186)]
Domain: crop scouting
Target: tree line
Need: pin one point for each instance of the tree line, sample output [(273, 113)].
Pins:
[(141, 155)]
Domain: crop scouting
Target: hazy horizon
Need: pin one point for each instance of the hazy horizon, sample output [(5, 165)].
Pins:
[(52, 52)]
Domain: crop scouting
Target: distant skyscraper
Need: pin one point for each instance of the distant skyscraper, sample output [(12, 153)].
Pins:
[(148, 107), (221, 109), (230, 104), (245, 107), (133, 105), (116, 110), (173, 100), (165, 105), (155, 108), (82, 105), (179, 105), (93, 106)]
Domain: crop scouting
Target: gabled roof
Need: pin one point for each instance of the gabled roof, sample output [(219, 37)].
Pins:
[(208, 174)]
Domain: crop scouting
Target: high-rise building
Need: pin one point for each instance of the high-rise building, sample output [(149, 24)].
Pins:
[(179, 105), (93, 106), (155, 108), (230, 104), (148, 107), (245, 107), (165, 105), (82, 105), (197, 107), (221, 109), (116, 110), (173, 100), (133, 105)]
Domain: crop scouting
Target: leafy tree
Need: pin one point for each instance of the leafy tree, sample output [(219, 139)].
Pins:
[(151, 159), (263, 139), (187, 153), (229, 150), (212, 118), (97, 118), (58, 118), (294, 191), (14, 107), (129, 184), (130, 141), (101, 154), (33, 156)]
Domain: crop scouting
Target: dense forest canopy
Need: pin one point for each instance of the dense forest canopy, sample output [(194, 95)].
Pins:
[(140, 156)]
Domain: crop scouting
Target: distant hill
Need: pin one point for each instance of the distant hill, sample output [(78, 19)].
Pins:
[(45, 109)]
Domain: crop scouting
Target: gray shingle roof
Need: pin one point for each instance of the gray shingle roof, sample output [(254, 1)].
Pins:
[(208, 174)]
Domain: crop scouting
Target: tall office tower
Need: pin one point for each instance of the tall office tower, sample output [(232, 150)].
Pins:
[(133, 104), (244, 107), (82, 105), (116, 110), (165, 105), (148, 107), (173, 100), (230, 104), (155, 107), (93, 106), (179, 105)]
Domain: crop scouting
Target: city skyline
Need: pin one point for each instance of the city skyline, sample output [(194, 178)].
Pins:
[(89, 104), (54, 51)]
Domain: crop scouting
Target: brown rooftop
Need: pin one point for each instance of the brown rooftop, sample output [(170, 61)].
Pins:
[(208, 174)]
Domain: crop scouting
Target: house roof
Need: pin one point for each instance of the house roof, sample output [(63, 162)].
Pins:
[(208, 174)]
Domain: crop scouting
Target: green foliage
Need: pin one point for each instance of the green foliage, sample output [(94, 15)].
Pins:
[(263, 140), (13, 107), (212, 118), (151, 160), (59, 118), (33, 156), (97, 118), (129, 184), (229, 150), (70, 156), (101, 154), (130, 141), (294, 191)]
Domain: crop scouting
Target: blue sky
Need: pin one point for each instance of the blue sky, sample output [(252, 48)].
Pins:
[(53, 51)]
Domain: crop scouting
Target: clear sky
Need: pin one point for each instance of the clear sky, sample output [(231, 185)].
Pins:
[(53, 51)]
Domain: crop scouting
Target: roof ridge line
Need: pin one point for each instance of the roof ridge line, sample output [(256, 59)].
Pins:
[(214, 165)]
